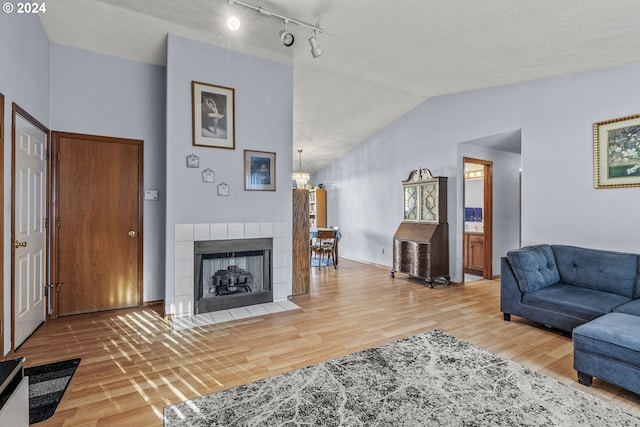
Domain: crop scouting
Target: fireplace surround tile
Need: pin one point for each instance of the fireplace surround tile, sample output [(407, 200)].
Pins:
[(252, 230), (184, 285), (186, 234), (184, 268), (201, 232), (184, 305), (281, 229), (266, 229), (240, 313), (184, 250), (288, 305), (203, 319), (219, 232), (257, 310), (222, 316), (279, 258), (235, 231)]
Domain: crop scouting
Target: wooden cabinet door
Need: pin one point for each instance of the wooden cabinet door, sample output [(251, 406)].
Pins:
[(474, 254)]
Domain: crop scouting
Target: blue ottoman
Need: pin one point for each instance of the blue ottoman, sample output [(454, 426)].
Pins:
[(608, 347)]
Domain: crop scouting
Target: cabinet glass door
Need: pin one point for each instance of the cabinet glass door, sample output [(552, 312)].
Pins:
[(429, 208), (411, 203)]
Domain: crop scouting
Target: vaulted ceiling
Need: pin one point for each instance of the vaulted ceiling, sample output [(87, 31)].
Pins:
[(381, 58)]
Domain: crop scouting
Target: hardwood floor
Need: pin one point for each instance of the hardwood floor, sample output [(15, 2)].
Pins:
[(134, 364)]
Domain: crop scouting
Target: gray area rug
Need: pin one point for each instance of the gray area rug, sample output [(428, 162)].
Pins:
[(430, 379)]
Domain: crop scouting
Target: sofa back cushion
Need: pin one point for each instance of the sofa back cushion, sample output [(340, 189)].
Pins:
[(534, 267), (597, 269)]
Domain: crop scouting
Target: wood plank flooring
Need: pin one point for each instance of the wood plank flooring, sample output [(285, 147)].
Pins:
[(134, 364)]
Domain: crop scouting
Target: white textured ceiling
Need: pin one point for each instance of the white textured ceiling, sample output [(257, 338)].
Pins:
[(382, 58)]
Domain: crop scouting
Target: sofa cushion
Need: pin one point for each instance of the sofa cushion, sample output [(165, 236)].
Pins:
[(573, 300), (615, 336), (534, 267), (632, 307), (596, 269)]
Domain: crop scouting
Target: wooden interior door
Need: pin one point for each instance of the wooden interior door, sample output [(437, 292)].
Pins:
[(98, 223)]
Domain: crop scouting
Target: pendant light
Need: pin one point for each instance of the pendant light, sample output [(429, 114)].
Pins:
[(301, 178)]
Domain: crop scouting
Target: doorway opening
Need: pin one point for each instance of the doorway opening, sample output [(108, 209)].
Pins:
[(477, 245)]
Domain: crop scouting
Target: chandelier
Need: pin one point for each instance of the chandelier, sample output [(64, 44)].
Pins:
[(301, 178)]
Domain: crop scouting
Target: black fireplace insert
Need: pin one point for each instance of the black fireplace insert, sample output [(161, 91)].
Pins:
[(232, 273)]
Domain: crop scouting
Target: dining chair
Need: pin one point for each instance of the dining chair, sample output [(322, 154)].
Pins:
[(324, 244)]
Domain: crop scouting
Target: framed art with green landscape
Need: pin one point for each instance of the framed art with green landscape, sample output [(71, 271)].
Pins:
[(213, 115), (616, 152)]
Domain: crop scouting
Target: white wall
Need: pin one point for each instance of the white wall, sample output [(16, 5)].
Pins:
[(99, 94), (474, 193), (24, 79), (559, 203), (264, 122)]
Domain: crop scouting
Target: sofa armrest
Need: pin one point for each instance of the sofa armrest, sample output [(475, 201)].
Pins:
[(510, 295)]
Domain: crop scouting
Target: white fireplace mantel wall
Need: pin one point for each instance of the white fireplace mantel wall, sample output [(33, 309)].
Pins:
[(186, 234)]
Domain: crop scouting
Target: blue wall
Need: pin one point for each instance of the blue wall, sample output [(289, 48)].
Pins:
[(100, 94), (24, 79), (264, 122), (559, 203)]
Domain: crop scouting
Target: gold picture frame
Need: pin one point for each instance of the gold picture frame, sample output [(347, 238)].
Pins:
[(616, 152), (213, 115), (259, 171)]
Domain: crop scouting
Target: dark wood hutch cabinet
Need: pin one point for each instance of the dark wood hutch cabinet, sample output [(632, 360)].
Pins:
[(421, 242)]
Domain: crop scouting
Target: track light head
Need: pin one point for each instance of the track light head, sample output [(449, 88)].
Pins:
[(286, 37), (316, 50)]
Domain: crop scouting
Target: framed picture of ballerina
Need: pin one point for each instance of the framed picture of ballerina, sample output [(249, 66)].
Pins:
[(213, 114)]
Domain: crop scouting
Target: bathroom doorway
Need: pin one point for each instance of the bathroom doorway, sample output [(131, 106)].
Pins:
[(477, 245)]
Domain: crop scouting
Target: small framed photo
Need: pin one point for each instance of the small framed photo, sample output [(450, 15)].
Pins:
[(213, 115), (223, 189), (259, 171), (193, 161), (616, 152), (208, 175)]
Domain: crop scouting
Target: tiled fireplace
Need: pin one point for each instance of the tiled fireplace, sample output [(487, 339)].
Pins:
[(222, 235)]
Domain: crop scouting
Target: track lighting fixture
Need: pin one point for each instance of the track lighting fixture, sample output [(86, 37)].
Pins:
[(286, 37), (316, 50)]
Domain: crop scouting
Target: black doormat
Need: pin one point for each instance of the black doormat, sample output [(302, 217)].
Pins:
[(47, 384)]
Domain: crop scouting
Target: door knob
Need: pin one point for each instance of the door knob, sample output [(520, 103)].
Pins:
[(21, 244), (132, 233)]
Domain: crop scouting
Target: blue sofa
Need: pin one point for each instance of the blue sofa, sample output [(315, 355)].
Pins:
[(592, 293), (565, 286)]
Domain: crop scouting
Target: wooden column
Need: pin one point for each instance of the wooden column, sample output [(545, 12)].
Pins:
[(301, 252)]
